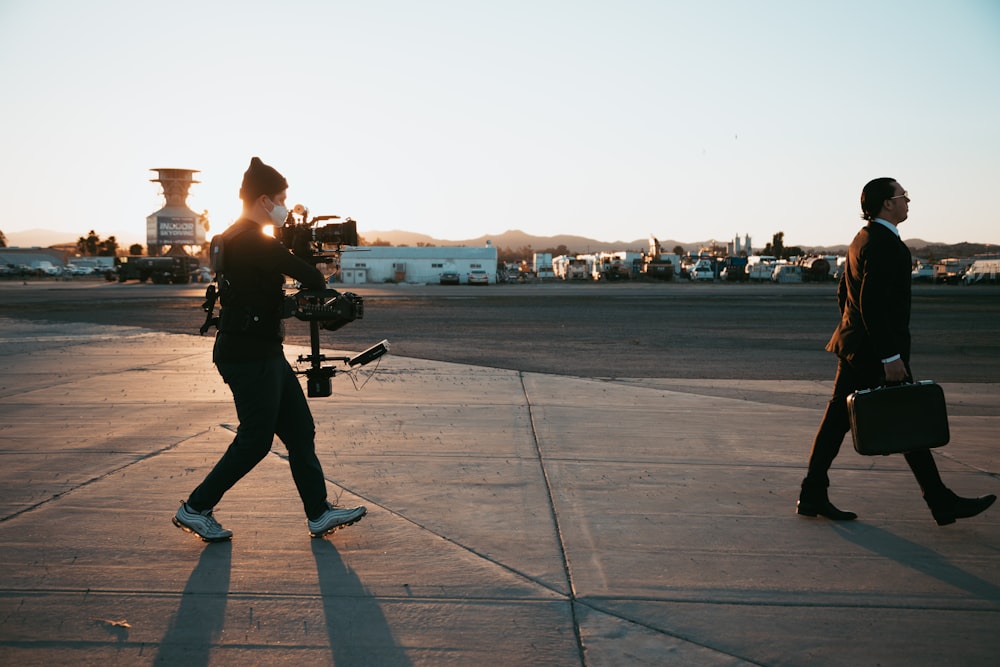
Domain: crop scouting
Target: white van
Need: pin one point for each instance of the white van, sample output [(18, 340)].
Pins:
[(787, 273)]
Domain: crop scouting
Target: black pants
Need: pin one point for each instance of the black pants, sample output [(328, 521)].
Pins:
[(836, 424), (269, 402)]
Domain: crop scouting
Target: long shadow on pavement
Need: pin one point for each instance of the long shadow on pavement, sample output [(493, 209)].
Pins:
[(358, 631), (201, 616), (919, 558)]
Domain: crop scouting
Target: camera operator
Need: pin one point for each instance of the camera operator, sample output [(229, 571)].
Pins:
[(248, 354)]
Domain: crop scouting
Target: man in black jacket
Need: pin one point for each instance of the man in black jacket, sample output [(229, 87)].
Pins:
[(872, 344), (248, 354)]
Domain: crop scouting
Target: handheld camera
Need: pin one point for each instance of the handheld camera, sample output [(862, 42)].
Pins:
[(327, 308), (306, 240)]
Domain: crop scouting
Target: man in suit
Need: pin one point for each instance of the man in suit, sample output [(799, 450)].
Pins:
[(872, 344)]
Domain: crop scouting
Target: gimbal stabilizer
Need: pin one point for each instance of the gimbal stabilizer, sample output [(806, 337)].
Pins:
[(328, 309)]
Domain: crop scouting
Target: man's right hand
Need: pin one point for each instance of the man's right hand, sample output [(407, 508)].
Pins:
[(895, 372)]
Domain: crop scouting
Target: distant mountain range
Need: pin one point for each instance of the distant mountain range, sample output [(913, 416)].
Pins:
[(516, 239)]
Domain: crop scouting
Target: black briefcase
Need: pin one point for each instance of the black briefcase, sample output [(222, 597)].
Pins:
[(900, 418)]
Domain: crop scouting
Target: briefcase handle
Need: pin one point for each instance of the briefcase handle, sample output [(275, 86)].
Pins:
[(907, 380), (890, 385)]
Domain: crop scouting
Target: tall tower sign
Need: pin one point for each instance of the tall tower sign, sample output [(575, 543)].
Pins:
[(174, 225)]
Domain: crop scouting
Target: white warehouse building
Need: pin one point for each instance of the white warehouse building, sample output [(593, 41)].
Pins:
[(380, 264)]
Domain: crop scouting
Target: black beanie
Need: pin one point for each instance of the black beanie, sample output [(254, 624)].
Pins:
[(261, 179)]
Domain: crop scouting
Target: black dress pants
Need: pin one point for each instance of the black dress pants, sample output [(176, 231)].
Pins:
[(836, 423), (269, 402)]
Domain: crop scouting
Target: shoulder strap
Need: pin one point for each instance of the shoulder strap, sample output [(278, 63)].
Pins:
[(216, 258), (216, 254)]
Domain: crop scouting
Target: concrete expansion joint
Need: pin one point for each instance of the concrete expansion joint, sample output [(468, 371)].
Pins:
[(98, 478), (555, 517)]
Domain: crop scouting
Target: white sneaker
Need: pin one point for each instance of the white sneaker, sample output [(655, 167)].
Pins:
[(334, 518), (202, 524)]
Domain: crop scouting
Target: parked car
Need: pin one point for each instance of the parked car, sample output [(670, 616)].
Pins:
[(701, 271), (923, 273), (74, 270), (478, 277), (450, 278), (201, 275), (787, 273)]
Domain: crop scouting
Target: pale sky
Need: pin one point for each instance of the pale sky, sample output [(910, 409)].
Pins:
[(612, 120)]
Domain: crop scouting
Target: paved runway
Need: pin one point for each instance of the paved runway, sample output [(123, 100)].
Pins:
[(721, 331), (515, 518)]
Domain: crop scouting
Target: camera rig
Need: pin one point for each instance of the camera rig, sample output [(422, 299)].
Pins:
[(309, 242), (327, 308), (322, 308)]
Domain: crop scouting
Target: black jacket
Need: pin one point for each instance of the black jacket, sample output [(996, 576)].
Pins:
[(254, 267), (874, 297)]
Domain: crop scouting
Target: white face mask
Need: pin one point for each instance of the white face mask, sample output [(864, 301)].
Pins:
[(278, 214)]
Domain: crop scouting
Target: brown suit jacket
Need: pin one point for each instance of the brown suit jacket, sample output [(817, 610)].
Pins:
[(874, 297)]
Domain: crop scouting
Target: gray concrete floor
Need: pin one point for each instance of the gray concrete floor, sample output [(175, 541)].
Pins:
[(514, 518)]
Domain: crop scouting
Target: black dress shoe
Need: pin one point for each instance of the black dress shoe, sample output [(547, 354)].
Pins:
[(955, 507), (823, 508)]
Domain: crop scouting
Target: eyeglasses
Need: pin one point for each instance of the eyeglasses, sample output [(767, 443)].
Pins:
[(905, 195)]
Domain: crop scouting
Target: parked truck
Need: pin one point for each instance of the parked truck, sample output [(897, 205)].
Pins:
[(541, 264), (734, 269), (577, 269), (658, 263), (815, 269), (161, 270)]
